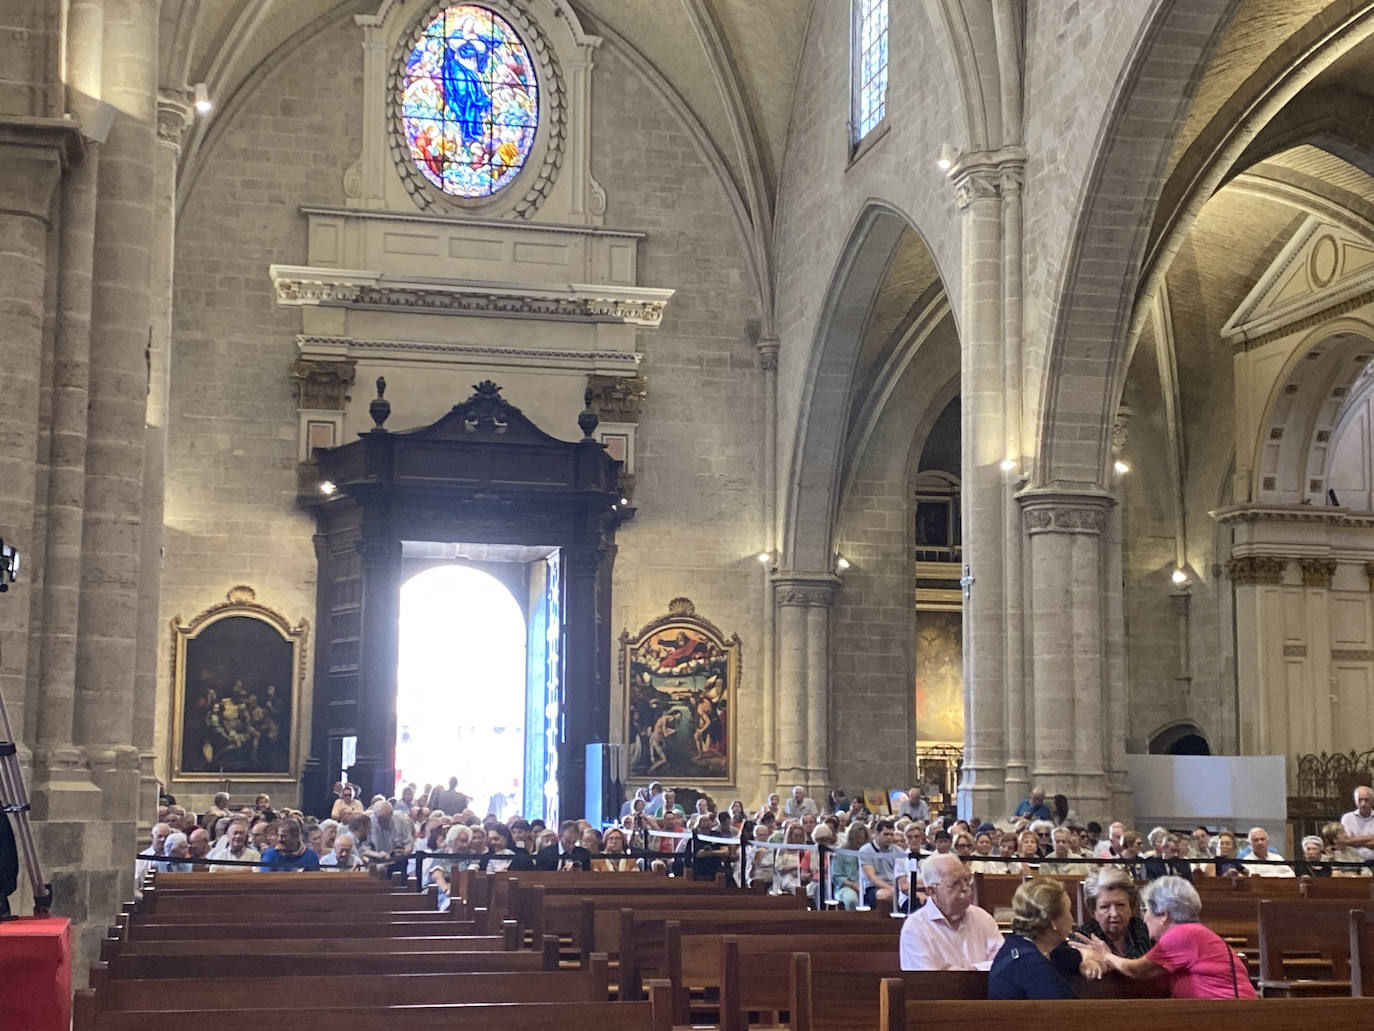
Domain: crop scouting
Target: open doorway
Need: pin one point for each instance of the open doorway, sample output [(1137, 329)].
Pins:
[(462, 687)]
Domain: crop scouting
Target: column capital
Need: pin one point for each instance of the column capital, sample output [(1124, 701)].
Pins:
[(1317, 572), (808, 590), (323, 384), (617, 398), (1057, 511), (986, 175), (1248, 570), (767, 348), (173, 116)]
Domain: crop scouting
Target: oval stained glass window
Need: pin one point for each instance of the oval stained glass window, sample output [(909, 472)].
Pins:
[(470, 105)]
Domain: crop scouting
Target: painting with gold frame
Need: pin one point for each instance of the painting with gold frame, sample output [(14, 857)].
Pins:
[(237, 671), (681, 675)]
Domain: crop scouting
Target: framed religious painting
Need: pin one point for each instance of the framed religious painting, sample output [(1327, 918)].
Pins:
[(681, 675), (237, 671)]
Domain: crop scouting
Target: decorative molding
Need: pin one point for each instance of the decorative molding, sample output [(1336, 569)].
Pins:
[(985, 175), (476, 352), (1121, 428), (768, 354), (1352, 655), (1317, 572), (173, 117), (304, 286), (470, 221), (975, 185), (616, 398), (1295, 651), (1249, 570), (323, 384), (1330, 515)]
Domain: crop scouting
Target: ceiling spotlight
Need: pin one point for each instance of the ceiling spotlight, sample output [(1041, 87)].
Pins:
[(328, 487), (765, 557), (1121, 466), (948, 155), (841, 563), (624, 501), (1179, 577), (203, 103), (1007, 464)]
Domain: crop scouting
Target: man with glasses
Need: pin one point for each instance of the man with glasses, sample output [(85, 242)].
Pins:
[(949, 932)]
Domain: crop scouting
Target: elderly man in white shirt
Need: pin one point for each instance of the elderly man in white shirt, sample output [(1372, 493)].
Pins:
[(798, 805), (1263, 855), (233, 845), (1359, 823), (949, 932), (142, 867)]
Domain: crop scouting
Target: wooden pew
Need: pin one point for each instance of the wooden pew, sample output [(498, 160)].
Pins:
[(1304, 947), (498, 892), (1355, 889), (328, 991), (645, 934), (593, 921), (322, 963), (993, 891), (306, 926), (288, 947), (651, 1015), (898, 1013), (825, 993), (361, 902), (287, 882), (1362, 953)]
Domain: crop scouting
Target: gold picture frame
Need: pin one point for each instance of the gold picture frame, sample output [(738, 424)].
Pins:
[(680, 675), (238, 669)]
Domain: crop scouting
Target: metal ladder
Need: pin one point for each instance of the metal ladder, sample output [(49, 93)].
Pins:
[(14, 797)]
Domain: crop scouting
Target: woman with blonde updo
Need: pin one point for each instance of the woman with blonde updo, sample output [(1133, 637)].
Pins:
[(1036, 961)]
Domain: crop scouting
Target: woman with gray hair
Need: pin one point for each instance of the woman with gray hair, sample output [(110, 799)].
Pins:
[(1113, 905), (1198, 964)]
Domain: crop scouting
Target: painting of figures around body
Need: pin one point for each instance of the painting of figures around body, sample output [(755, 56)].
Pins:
[(237, 671), (940, 676), (681, 674)]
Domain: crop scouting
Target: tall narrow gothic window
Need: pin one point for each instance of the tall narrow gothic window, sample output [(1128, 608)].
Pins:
[(870, 65), (469, 109)]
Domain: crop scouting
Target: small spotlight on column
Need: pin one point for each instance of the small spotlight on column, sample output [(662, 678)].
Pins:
[(328, 488), (765, 557), (1179, 577), (841, 564), (624, 501), (948, 155), (203, 102), (1121, 467), (1007, 464)]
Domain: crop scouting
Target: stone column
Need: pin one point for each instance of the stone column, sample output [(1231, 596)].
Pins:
[(120, 324), (173, 113), (1259, 651), (977, 192), (33, 154), (768, 752), (803, 696), (1069, 635)]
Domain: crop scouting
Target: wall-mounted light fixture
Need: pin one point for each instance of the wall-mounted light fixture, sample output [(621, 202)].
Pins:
[(203, 102), (948, 155)]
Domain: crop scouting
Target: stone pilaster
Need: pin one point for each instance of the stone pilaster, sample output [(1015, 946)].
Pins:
[(977, 191), (803, 674), (1070, 704)]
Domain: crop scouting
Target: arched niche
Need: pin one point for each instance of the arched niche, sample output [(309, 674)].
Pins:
[(482, 474)]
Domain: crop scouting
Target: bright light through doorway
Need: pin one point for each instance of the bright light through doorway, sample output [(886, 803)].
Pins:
[(460, 707)]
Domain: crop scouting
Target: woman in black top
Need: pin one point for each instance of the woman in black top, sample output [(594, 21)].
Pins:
[(1036, 962), (1226, 864), (1113, 905)]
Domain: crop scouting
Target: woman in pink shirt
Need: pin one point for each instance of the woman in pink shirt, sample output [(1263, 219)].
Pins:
[(1198, 964)]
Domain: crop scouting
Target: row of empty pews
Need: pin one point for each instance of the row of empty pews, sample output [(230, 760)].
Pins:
[(533, 950)]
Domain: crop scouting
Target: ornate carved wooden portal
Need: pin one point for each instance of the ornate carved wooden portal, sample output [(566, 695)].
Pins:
[(482, 474)]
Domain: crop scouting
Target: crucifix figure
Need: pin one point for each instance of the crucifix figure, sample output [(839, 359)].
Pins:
[(966, 582)]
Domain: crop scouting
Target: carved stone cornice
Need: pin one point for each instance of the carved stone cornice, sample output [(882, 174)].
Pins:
[(305, 286), (1317, 572), (314, 346), (1330, 515), (616, 398), (323, 384), (805, 591), (1062, 512), (1249, 570)]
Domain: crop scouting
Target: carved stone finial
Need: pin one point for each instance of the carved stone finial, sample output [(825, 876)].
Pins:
[(380, 408), (588, 420)]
